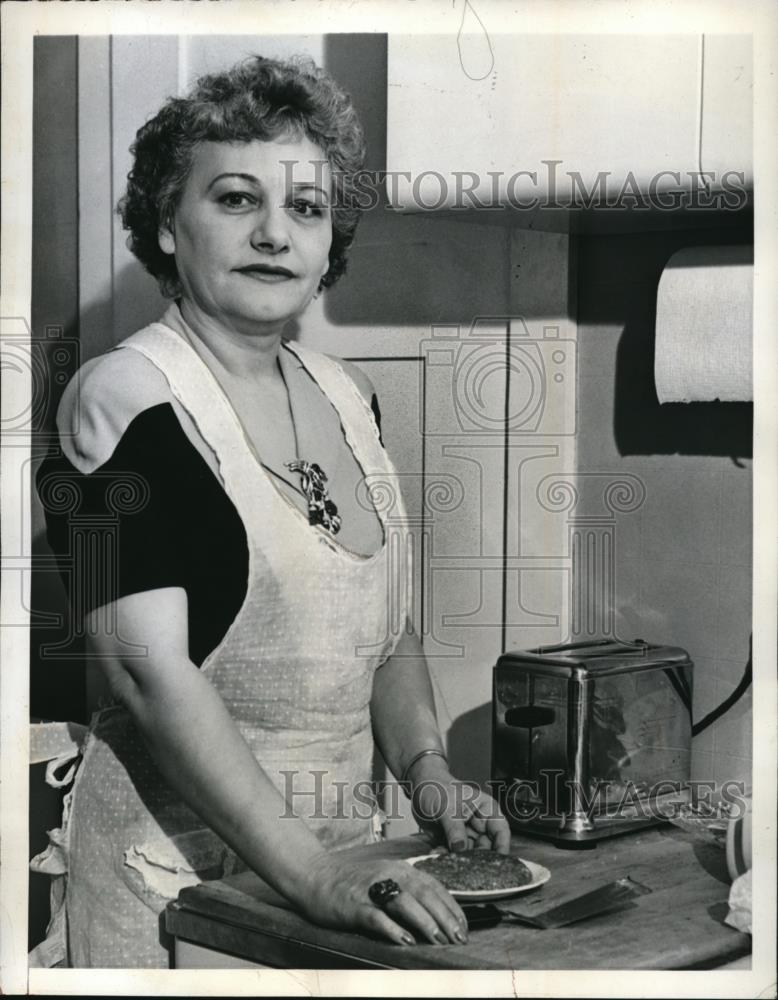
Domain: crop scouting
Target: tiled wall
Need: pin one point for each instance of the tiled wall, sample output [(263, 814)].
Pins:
[(683, 557)]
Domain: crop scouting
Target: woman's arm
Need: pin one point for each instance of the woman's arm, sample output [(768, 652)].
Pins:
[(192, 738), (203, 757), (404, 724)]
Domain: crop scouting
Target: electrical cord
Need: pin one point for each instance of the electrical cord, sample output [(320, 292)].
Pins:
[(743, 685), (679, 683)]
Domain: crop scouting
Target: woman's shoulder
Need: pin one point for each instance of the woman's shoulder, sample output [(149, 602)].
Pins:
[(361, 385), (101, 401), (355, 373), (357, 376)]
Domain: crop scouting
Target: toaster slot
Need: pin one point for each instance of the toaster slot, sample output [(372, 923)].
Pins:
[(530, 716)]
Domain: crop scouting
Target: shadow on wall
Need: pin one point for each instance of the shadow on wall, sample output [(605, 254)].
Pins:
[(57, 677), (409, 270), (643, 426), (469, 745), (57, 685)]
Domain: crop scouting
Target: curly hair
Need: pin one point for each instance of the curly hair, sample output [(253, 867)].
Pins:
[(258, 98)]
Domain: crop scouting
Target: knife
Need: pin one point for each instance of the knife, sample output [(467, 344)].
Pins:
[(606, 898)]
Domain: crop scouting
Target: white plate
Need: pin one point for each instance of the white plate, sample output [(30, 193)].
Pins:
[(539, 876)]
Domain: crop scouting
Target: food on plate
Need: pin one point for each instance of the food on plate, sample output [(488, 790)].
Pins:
[(479, 870)]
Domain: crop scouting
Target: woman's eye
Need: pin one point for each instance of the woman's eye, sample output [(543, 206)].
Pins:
[(235, 199), (309, 209)]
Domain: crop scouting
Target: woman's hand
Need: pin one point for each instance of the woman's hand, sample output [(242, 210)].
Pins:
[(404, 722), (336, 895), (465, 816)]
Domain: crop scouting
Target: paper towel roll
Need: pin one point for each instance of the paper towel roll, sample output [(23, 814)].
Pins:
[(704, 318)]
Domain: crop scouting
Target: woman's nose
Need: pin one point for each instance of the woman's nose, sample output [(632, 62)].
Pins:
[(270, 232)]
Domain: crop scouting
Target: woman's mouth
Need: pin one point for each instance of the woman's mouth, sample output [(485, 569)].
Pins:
[(266, 272)]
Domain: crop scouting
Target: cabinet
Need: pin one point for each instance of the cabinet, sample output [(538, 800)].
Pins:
[(563, 119), (726, 140)]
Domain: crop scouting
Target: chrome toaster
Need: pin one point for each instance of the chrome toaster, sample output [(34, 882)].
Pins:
[(590, 738)]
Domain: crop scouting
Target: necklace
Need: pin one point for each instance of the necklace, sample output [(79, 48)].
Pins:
[(321, 509)]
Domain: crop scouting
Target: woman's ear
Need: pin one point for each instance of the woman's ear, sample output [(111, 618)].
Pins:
[(166, 239)]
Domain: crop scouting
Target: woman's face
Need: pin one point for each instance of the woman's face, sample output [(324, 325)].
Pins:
[(252, 232)]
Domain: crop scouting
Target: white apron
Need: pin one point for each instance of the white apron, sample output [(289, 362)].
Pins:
[(295, 671)]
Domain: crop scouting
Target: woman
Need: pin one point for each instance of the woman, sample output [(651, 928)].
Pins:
[(240, 611)]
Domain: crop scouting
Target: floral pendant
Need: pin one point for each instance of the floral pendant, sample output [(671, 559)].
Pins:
[(321, 510)]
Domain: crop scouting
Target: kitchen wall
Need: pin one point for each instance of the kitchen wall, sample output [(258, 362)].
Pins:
[(683, 556)]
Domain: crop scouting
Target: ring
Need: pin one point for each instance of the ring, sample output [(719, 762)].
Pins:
[(381, 893)]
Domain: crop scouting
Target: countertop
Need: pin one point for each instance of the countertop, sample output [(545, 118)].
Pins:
[(679, 925)]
